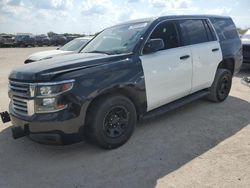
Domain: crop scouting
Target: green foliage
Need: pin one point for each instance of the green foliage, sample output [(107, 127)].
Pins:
[(242, 31), (50, 34)]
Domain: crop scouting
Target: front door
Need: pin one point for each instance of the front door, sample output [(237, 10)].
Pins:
[(167, 72)]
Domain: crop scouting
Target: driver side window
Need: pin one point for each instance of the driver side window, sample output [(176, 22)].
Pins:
[(167, 31)]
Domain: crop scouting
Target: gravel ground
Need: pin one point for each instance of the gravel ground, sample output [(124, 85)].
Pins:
[(202, 144)]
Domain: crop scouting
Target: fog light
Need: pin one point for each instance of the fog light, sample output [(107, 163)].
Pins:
[(49, 102)]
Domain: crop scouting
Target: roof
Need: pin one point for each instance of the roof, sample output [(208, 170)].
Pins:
[(151, 19)]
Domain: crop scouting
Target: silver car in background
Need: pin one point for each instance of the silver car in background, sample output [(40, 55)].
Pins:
[(71, 47)]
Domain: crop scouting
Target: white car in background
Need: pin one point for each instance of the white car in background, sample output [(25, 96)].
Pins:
[(71, 47)]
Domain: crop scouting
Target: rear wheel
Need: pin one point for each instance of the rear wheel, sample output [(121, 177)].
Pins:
[(111, 121), (221, 86)]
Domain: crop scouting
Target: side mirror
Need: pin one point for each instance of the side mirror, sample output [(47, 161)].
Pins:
[(153, 45)]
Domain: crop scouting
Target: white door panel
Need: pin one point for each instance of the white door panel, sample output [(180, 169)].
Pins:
[(205, 63), (167, 78)]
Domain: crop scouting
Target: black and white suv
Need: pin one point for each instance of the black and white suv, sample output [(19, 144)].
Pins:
[(127, 72)]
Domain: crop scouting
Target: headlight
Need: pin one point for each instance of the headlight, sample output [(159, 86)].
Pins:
[(48, 96), (52, 89)]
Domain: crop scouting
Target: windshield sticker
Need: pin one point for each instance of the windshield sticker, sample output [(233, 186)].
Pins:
[(138, 26)]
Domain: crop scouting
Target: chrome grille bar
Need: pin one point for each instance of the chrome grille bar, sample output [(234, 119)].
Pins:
[(20, 94)]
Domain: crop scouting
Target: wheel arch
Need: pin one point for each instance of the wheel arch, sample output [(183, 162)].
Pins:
[(128, 91), (228, 63)]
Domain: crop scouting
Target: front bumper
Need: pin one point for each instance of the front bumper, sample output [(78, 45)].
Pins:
[(50, 128)]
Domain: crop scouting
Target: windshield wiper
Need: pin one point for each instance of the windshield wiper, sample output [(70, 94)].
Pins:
[(97, 51)]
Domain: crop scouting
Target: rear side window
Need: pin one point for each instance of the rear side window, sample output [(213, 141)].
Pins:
[(210, 31), (225, 28), (193, 31)]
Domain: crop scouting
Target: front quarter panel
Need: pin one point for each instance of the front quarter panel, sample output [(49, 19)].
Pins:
[(125, 73)]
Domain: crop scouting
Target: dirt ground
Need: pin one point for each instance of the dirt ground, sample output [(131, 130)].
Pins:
[(202, 144)]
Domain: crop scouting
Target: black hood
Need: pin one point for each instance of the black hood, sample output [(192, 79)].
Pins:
[(45, 70)]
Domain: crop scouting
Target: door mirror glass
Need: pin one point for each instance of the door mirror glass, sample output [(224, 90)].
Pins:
[(153, 45)]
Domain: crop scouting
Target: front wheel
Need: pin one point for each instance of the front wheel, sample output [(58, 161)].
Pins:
[(221, 86), (112, 120)]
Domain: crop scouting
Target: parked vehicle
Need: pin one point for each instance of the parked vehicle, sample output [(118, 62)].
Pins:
[(128, 72), (7, 40), (71, 37), (58, 40), (42, 40), (246, 47), (73, 46), (246, 81), (24, 40)]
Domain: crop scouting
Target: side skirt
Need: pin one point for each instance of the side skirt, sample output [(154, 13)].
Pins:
[(175, 104)]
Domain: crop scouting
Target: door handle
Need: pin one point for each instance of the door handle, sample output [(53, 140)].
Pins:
[(184, 57), (215, 49)]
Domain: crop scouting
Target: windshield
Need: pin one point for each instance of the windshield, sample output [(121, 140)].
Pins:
[(74, 45), (117, 39)]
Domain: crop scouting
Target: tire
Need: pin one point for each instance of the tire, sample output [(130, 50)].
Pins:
[(111, 121), (221, 86)]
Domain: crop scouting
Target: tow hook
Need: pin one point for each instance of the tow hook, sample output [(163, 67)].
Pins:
[(18, 132), (5, 117)]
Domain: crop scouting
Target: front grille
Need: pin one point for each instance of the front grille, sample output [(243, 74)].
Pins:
[(20, 105), (19, 88), (20, 97)]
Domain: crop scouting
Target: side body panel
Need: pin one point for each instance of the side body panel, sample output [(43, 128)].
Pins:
[(206, 58), (167, 77), (229, 39), (232, 49)]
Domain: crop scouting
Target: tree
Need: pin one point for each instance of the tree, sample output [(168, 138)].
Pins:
[(242, 31), (50, 34)]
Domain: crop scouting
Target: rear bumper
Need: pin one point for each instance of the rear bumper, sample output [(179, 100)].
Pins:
[(246, 53), (246, 60)]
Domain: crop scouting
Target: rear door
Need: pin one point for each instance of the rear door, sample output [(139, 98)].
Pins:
[(206, 52), (167, 72)]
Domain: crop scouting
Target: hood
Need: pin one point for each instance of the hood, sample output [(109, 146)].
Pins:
[(45, 70), (48, 54)]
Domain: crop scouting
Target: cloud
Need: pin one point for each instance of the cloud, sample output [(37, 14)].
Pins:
[(14, 2), (219, 11), (95, 10), (51, 4), (90, 16), (170, 4)]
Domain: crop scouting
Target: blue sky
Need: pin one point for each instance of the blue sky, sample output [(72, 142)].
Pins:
[(90, 16)]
